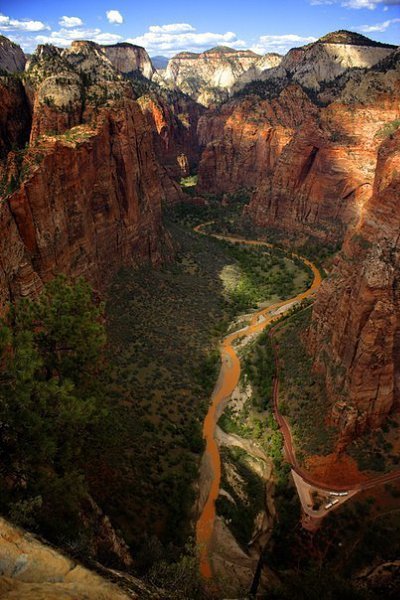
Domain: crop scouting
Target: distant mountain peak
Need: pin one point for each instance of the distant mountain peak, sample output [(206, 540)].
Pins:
[(228, 50), (342, 36)]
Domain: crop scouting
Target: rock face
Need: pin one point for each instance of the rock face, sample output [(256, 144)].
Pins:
[(328, 58), (268, 61), (244, 139), (15, 117), (34, 571), (128, 58), (85, 197), (355, 331), (173, 118), (209, 76), (312, 166), (12, 58)]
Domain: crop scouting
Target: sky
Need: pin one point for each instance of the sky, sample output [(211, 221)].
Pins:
[(167, 27)]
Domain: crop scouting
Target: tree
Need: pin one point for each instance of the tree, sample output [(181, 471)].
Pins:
[(51, 355)]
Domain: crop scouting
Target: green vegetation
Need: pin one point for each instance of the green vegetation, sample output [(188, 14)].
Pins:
[(377, 450), (163, 325), (353, 538), (226, 215), (302, 398), (258, 365), (154, 319), (388, 129), (188, 182), (245, 499), (52, 406), (266, 274)]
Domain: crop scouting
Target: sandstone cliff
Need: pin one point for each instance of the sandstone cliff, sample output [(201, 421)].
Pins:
[(15, 117), (12, 58), (355, 331), (209, 76), (310, 160), (128, 58), (173, 118), (268, 61), (33, 570), (244, 139), (329, 57), (86, 196)]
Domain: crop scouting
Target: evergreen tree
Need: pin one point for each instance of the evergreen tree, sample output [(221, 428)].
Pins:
[(51, 397)]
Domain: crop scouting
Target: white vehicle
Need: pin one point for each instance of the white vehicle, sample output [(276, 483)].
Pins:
[(330, 504)]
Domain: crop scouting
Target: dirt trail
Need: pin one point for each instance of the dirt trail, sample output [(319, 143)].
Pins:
[(227, 381)]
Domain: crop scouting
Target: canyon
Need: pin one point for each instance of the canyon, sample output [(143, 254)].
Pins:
[(55, 221), (95, 143)]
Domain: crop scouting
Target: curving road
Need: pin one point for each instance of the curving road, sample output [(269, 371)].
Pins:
[(227, 382)]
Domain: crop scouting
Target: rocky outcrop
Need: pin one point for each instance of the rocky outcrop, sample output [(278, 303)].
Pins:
[(12, 58), (128, 59), (355, 330), (311, 165), (268, 61), (90, 225), (173, 118), (33, 570), (85, 197), (15, 117), (68, 86), (328, 58), (244, 139), (209, 76), (324, 175)]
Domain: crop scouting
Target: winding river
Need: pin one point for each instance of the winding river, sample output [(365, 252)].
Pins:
[(227, 381)]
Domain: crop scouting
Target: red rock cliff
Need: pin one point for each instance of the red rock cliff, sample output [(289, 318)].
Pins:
[(82, 200), (311, 166), (244, 139), (173, 121), (355, 331), (325, 174), (92, 204)]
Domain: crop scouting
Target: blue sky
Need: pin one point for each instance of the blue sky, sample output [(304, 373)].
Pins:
[(167, 27)]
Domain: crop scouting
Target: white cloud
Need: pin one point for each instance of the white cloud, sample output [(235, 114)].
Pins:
[(280, 43), (358, 4), (115, 17), (9, 24), (64, 37), (172, 28), (371, 4), (378, 26), (177, 37), (70, 21)]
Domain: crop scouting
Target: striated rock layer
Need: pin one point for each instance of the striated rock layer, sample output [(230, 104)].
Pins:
[(244, 139), (33, 570), (173, 120), (328, 57), (355, 331), (85, 197), (209, 76), (311, 165)]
